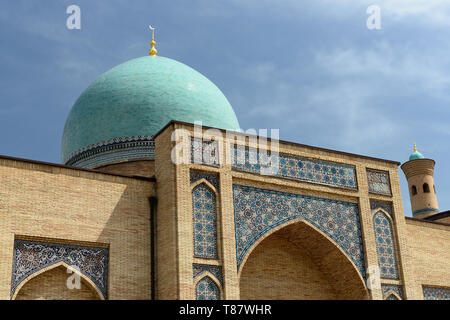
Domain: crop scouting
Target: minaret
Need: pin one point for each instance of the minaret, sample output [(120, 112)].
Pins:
[(422, 192)]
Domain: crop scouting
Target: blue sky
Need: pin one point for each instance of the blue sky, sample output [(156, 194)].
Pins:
[(310, 68)]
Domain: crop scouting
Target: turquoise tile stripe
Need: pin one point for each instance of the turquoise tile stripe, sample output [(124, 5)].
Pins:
[(138, 98)]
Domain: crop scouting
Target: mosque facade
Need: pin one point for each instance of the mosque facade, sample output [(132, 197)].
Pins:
[(147, 204)]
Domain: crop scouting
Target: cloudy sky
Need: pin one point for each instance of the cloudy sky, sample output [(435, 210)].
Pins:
[(311, 68)]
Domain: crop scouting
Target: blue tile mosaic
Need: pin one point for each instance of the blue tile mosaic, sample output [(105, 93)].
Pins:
[(210, 177), (257, 211), (139, 97), (296, 168), (206, 289), (387, 289), (216, 271), (32, 256), (379, 182), (205, 222), (384, 239), (114, 151), (435, 293)]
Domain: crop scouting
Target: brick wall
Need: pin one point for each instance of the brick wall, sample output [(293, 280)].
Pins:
[(39, 200), (429, 244)]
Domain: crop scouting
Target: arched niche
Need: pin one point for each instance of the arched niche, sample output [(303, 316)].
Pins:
[(298, 261)]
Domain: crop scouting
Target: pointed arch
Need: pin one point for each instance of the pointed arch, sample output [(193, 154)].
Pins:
[(209, 184), (207, 287), (391, 295), (330, 258), (258, 211), (383, 227), (54, 266)]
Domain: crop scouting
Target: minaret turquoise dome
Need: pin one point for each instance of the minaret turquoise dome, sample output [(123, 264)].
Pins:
[(115, 118), (416, 154)]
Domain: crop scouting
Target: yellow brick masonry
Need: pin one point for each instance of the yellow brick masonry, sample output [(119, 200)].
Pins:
[(77, 206)]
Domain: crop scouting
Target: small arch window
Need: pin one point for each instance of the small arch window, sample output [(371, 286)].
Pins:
[(434, 188), (414, 190), (391, 297), (206, 289), (426, 188)]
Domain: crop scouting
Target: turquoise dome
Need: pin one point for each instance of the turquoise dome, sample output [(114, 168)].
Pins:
[(416, 155), (134, 100)]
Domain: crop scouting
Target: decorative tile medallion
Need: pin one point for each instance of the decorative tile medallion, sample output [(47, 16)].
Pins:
[(205, 222), (379, 182), (384, 238), (386, 289), (205, 152), (257, 211), (206, 289), (435, 293), (32, 256), (210, 177), (113, 151), (216, 271), (386, 206), (295, 168)]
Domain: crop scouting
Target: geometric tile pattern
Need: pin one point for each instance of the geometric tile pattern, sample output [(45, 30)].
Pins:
[(388, 288), (210, 177), (113, 151), (435, 293), (206, 289), (257, 211), (378, 182), (385, 246), (32, 256), (205, 222), (386, 206), (296, 168), (206, 152), (216, 271)]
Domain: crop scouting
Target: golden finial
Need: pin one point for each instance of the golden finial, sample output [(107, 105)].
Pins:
[(153, 51), (415, 148)]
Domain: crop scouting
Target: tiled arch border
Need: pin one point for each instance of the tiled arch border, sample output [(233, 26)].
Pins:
[(394, 239), (285, 224), (60, 261), (51, 267), (290, 220), (207, 274)]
